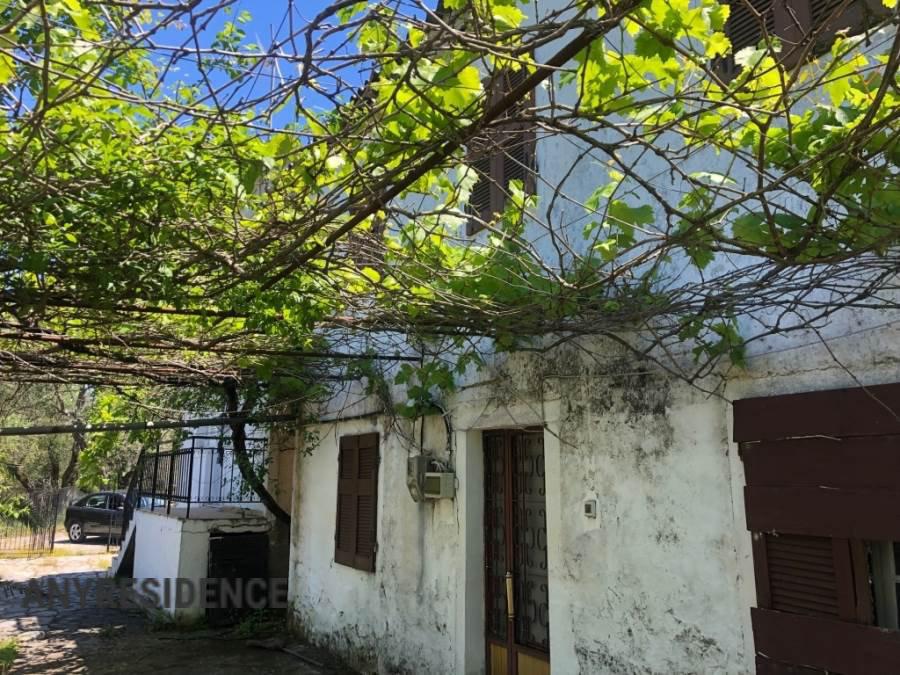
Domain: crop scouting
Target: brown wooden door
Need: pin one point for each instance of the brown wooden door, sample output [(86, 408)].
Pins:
[(516, 587)]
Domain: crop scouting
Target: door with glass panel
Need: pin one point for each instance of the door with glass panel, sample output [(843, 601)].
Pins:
[(516, 584)]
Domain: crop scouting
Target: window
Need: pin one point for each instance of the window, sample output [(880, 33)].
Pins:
[(503, 154), (355, 542), (96, 502), (365, 248), (796, 23), (822, 502), (885, 573)]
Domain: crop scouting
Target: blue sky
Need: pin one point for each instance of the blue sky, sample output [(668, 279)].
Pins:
[(267, 23)]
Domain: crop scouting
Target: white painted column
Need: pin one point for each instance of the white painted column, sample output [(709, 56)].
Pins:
[(562, 639), (469, 645)]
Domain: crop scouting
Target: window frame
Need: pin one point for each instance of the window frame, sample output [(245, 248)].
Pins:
[(885, 583)]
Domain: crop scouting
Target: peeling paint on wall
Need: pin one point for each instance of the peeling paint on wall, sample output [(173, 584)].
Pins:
[(659, 582)]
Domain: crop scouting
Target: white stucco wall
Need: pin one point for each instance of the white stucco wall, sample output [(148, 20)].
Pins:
[(373, 618), (660, 582), (170, 547), (157, 549)]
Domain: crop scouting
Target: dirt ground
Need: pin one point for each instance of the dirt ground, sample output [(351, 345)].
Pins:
[(101, 640)]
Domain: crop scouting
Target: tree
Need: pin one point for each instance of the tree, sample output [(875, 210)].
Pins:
[(200, 210), (46, 463)]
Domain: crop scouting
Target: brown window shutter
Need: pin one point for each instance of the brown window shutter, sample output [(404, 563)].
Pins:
[(800, 576), (827, 18), (480, 199), (801, 573), (745, 29), (367, 504), (796, 23), (518, 160), (504, 154), (357, 502), (517, 140), (482, 157), (796, 573), (822, 477), (752, 21)]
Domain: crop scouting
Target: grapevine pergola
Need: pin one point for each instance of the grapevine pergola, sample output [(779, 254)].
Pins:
[(185, 204)]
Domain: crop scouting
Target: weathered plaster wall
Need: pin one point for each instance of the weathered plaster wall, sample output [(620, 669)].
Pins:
[(660, 582), (649, 586), (168, 547), (651, 581), (157, 548), (398, 619)]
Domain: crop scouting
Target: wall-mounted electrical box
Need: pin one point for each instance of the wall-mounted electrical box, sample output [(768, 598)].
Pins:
[(427, 478), (415, 476)]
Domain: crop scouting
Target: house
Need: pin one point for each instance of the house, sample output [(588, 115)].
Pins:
[(608, 517), (198, 517)]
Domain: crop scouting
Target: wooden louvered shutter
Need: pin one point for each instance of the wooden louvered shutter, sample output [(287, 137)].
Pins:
[(480, 201), (744, 29), (357, 502), (795, 23), (517, 139), (503, 154), (809, 575), (822, 479), (784, 20), (828, 17)]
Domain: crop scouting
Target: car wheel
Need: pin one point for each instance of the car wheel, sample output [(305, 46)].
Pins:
[(76, 532)]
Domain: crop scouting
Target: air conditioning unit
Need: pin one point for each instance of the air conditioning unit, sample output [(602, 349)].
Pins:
[(439, 485), (427, 478)]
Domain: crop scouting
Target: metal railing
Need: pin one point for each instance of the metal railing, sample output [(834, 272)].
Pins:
[(203, 470), (32, 531)]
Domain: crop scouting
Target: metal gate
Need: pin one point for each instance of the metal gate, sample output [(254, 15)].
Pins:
[(28, 525)]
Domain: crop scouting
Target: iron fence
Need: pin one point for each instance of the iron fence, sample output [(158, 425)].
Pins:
[(30, 529), (202, 470)]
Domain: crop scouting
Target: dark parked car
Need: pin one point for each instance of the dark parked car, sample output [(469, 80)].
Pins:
[(99, 513)]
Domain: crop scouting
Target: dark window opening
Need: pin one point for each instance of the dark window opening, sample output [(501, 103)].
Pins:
[(884, 571)]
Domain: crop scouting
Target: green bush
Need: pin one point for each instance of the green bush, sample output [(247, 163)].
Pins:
[(9, 650)]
